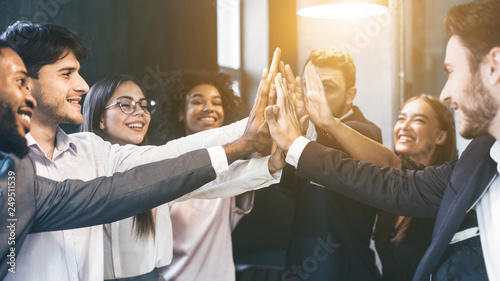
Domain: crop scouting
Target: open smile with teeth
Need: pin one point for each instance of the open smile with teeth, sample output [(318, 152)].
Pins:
[(406, 139), (26, 117), (135, 125), (208, 119), (73, 101)]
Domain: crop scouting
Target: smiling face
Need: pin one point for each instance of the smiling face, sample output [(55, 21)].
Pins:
[(58, 91), (417, 132), (13, 91), (204, 109), (121, 128), (466, 92), (338, 97), (16, 104)]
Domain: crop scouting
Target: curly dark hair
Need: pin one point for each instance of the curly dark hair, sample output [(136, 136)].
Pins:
[(171, 100)]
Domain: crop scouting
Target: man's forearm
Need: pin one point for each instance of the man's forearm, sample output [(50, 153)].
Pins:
[(237, 149), (361, 147)]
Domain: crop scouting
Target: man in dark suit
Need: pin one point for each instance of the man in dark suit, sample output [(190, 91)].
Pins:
[(330, 237), (464, 196)]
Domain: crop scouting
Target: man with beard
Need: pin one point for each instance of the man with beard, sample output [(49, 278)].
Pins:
[(32, 204), (52, 55), (463, 196), (343, 223)]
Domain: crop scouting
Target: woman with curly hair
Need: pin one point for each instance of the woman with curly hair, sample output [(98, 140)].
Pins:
[(190, 102)]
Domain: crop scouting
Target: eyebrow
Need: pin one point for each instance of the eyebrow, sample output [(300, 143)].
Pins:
[(69, 68), (124, 97), (416, 115), (202, 96), (22, 72)]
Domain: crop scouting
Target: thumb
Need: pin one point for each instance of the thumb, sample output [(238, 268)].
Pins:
[(271, 115), (304, 123)]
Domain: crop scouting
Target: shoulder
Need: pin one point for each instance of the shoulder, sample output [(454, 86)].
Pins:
[(87, 139), (479, 147), (358, 122)]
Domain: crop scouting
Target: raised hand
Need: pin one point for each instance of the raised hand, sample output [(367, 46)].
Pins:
[(282, 118), (315, 100), (257, 131)]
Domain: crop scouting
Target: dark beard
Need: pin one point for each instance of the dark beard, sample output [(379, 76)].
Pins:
[(481, 109), (10, 139)]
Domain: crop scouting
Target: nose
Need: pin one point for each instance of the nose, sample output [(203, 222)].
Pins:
[(405, 124), (445, 95), (80, 85), (30, 100), (208, 107), (138, 110)]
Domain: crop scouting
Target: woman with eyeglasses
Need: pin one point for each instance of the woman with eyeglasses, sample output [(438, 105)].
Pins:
[(116, 109), (190, 102)]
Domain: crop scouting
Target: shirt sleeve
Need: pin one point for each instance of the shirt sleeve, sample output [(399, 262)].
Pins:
[(295, 151), (74, 203), (121, 158), (218, 159), (241, 176)]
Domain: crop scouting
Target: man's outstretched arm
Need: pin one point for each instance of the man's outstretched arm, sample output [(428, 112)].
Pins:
[(73, 203)]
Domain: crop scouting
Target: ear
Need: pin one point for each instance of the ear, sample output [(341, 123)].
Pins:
[(441, 138), (181, 117), (494, 58), (101, 124), (350, 95)]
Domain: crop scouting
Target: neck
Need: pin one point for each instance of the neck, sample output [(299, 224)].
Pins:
[(494, 128), (423, 158), (45, 135), (346, 109)]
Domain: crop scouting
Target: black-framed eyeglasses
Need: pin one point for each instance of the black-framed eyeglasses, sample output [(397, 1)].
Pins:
[(127, 105)]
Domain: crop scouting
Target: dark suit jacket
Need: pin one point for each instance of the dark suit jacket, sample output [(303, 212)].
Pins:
[(446, 192), (35, 204), (326, 218)]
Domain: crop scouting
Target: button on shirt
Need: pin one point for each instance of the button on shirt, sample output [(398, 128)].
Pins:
[(488, 218), (78, 254)]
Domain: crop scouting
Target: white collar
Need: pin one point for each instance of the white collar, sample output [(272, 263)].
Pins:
[(349, 113), (495, 153)]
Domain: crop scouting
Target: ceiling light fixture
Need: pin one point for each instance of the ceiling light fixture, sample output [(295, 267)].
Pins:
[(341, 9)]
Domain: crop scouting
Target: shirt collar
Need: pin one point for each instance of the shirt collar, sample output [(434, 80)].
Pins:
[(63, 142), (349, 113), (495, 154)]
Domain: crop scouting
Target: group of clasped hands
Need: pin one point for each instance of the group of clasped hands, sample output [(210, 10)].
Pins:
[(288, 103)]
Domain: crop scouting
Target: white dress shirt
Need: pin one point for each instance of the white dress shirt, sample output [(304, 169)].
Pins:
[(202, 238), (78, 254), (488, 218), (127, 256)]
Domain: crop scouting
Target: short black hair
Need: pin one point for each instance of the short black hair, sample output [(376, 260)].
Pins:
[(6, 44), (40, 44)]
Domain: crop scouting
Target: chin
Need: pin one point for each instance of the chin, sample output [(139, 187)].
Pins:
[(136, 141), (402, 149)]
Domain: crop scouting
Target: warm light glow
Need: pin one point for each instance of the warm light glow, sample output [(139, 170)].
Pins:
[(342, 10)]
